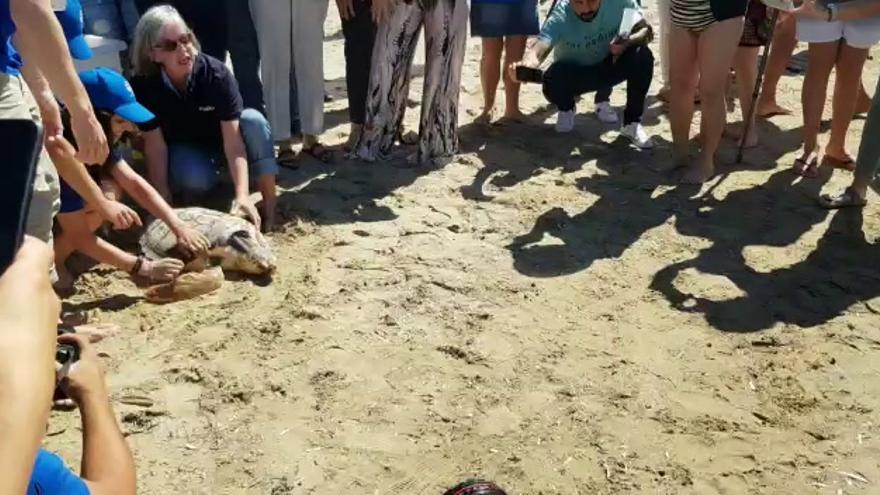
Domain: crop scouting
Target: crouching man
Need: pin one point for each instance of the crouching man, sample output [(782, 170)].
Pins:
[(590, 55)]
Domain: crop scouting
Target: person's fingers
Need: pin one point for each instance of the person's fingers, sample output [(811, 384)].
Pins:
[(86, 349)]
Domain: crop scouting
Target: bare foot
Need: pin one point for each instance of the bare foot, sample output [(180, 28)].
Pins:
[(663, 94), (513, 117), (736, 135), (698, 173), (484, 118), (767, 109)]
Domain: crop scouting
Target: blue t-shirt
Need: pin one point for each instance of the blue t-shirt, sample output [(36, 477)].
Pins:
[(52, 477), (584, 43), (10, 62)]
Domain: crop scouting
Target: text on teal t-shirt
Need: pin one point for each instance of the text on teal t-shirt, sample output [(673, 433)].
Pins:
[(584, 43)]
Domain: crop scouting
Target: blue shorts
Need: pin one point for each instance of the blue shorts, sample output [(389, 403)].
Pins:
[(494, 19)]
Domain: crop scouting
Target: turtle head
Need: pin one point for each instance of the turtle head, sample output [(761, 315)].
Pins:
[(250, 253)]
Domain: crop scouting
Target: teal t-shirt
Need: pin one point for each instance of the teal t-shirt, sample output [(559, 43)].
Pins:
[(584, 43)]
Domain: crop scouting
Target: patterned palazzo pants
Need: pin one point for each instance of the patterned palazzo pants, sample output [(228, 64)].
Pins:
[(396, 39)]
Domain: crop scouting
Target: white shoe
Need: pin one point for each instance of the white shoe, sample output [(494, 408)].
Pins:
[(606, 113), (636, 133), (565, 122)]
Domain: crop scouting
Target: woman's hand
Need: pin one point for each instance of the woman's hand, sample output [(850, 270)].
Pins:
[(191, 240), (811, 9)]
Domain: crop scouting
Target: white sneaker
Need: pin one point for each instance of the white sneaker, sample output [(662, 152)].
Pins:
[(565, 122), (606, 113), (636, 133)]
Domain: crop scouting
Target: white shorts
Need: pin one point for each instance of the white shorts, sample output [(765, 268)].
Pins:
[(863, 33)]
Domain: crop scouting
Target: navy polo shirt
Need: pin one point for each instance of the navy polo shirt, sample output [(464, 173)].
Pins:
[(192, 117)]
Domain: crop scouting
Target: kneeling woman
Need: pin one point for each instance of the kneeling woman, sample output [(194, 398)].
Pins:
[(119, 113)]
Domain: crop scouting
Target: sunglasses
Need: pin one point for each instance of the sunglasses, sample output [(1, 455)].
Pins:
[(172, 45)]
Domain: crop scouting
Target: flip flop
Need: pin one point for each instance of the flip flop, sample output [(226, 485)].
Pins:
[(807, 168), (319, 152), (846, 164), (847, 199)]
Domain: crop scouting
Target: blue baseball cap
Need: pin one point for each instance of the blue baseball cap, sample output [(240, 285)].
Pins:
[(71, 20), (109, 91)]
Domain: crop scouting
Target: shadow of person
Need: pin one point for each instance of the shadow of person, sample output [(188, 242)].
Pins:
[(629, 204), (832, 278), (350, 191)]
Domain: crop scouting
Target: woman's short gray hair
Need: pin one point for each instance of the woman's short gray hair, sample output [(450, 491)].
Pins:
[(148, 34)]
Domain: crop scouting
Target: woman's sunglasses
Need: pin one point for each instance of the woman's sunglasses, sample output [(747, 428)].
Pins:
[(172, 45)]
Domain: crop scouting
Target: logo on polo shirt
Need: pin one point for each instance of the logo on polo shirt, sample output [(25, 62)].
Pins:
[(207, 109)]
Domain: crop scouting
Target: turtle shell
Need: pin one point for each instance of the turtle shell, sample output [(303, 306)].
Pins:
[(158, 241)]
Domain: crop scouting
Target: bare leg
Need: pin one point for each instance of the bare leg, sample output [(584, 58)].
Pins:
[(784, 43), (822, 57), (716, 48), (746, 65), (850, 62), (863, 102), (266, 184), (490, 75), (81, 238), (683, 81), (514, 48)]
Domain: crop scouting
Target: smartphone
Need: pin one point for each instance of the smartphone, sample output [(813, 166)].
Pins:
[(529, 75), (22, 141)]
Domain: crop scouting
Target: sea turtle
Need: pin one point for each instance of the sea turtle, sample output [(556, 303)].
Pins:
[(235, 242)]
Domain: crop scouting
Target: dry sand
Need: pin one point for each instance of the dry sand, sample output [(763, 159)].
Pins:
[(546, 311)]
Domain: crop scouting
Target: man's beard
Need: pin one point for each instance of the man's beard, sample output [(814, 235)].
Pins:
[(587, 17)]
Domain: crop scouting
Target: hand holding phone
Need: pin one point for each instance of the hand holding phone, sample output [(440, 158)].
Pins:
[(526, 74)]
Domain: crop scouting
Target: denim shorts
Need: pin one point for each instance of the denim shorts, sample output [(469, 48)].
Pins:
[(496, 19)]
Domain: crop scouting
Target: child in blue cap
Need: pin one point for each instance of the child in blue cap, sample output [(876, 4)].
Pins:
[(119, 114)]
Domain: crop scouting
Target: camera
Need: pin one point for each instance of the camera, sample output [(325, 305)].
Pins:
[(529, 75), (66, 353)]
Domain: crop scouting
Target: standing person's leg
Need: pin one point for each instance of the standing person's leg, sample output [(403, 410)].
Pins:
[(715, 48), (274, 19), (360, 35), (783, 45), (745, 64), (850, 62), (445, 41), (684, 73), (867, 163), (393, 53), (262, 166), (308, 58), (245, 53), (514, 48), (822, 57), (663, 8), (490, 75), (16, 102), (207, 18)]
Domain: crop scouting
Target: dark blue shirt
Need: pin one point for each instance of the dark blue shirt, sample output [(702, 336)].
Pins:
[(10, 62), (192, 117), (52, 477)]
